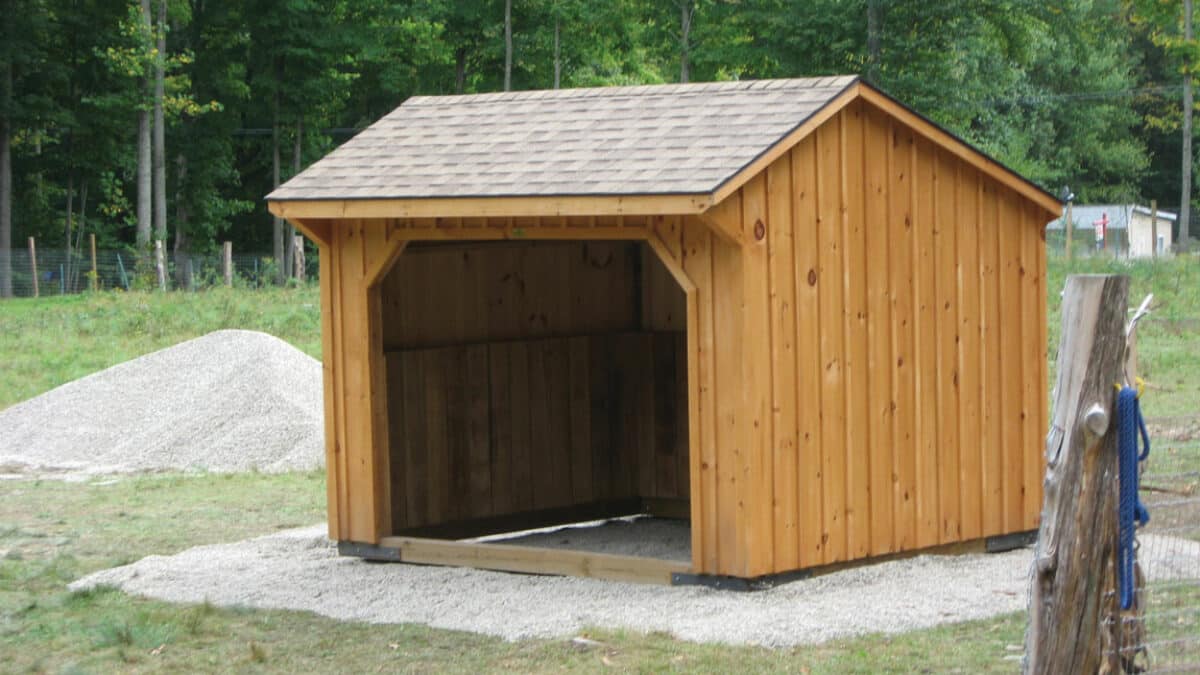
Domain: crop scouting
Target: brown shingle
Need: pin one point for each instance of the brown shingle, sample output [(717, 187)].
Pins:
[(652, 139)]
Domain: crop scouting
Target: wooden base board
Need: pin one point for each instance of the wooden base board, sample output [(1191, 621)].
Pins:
[(530, 560)]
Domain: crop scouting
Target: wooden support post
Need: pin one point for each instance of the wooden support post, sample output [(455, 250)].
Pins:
[(1069, 224), (1078, 536), (33, 266), (298, 258), (227, 263), (1153, 228), (159, 265), (94, 280)]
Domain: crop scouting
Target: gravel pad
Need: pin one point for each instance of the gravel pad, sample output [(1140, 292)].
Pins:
[(229, 401), (300, 569)]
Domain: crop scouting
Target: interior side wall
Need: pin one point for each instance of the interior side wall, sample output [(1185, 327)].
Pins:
[(898, 400), (528, 376)]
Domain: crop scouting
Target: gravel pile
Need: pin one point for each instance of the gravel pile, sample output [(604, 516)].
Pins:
[(230, 401), (300, 569)]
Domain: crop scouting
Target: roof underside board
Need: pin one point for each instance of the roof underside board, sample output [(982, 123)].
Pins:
[(648, 140)]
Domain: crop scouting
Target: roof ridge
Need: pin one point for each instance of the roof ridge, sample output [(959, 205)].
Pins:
[(638, 90)]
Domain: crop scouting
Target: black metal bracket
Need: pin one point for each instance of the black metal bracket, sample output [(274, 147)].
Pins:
[(368, 551), (1008, 542)]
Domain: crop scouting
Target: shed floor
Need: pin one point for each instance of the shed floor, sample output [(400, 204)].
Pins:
[(641, 536)]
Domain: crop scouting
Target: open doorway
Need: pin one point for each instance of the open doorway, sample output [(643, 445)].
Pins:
[(534, 384)]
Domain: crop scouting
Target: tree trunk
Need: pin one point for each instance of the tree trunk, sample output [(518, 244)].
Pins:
[(1185, 195), (687, 10), (160, 148), (460, 71), (143, 156), (6, 288), (181, 250), (1078, 533), (557, 58), (289, 230), (874, 28), (508, 52), (83, 190), (277, 223), (70, 222)]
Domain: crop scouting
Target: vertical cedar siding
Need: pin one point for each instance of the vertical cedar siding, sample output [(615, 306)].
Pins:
[(854, 312), (832, 347), (946, 306), (807, 375), (880, 411), (898, 282), (785, 441)]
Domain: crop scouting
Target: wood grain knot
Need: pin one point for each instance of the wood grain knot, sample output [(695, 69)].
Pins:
[(760, 230), (812, 277)]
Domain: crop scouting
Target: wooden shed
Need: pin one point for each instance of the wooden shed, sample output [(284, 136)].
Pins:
[(794, 312)]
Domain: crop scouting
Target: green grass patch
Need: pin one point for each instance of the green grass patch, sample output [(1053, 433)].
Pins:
[(47, 342), (1168, 340)]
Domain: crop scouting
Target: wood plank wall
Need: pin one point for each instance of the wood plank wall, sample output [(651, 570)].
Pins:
[(443, 294), (510, 427), (898, 399)]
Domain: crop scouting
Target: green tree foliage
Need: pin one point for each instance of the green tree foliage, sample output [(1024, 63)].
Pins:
[(1061, 90)]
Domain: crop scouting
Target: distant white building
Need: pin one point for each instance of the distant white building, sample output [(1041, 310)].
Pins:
[(1129, 230)]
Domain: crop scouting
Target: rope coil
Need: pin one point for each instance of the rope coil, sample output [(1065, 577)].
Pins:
[(1131, 513)]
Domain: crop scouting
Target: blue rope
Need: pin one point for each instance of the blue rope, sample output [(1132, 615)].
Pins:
[(1130, 507)]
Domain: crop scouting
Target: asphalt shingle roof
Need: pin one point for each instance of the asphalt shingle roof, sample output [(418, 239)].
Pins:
[(656, 139)]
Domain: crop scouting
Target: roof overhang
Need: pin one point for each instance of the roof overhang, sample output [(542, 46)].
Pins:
[(495, 207)]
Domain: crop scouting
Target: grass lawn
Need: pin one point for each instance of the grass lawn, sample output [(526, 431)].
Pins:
[(53, 532)]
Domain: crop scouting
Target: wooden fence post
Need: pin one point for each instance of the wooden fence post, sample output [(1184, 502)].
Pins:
[(227, 262), (94, 280), (33, 266), (159, 265), (1070, 225), (298, 258), (1078, 536)]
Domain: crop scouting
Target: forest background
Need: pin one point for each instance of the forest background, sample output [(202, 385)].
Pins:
[(143, 120)]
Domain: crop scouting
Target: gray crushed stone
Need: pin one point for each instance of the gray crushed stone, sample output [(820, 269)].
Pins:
[(642, 537), (300, 570), (229, 401)]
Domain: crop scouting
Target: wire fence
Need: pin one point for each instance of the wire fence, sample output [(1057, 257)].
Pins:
[(61, 273), (1084, 245), (1164, 636)]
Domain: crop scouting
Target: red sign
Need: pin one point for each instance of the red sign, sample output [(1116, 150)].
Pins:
[(1101, 229)]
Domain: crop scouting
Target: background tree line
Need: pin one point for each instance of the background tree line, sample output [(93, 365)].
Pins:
[(137, 120)]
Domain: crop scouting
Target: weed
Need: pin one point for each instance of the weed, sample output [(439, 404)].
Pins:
[(258, 653), (115, 634)]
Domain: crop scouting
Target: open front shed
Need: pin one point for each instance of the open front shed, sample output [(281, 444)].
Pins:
[(794, 312)]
